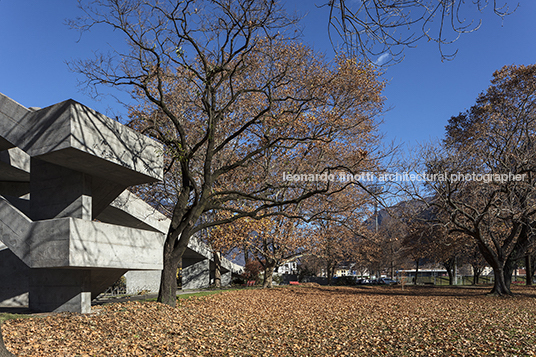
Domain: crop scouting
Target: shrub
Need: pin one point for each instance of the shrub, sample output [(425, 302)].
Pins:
[(345, 280), (277, 278), (252, 270)]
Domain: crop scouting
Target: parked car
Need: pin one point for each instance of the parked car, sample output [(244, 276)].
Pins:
[(386, 281), (362, 281)]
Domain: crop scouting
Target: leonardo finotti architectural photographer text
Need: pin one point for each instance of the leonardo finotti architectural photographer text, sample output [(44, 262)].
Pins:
[(405, 177)]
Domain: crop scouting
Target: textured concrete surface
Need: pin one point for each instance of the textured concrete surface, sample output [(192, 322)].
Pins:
[(60, 290), (74, 136), (75, 198), (61, 167), (14, 279), (128, 209), (142, 281), (195, 274), (102, 279), (14, 165)]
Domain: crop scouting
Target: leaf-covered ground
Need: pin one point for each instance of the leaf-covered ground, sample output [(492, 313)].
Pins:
[(293, 321)]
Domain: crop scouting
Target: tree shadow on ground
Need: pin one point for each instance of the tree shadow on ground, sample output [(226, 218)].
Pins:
[(431, 291)]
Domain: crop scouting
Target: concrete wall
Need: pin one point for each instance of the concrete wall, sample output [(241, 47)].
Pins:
[(48, 201), (14, 279), (68, 163), (138, 281), (69, 242), (195, 274), (74, 136), (60, 290), (226, 278)]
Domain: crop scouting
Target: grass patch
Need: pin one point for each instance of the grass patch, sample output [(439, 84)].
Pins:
[(202, 293), (7, 316), (186, 296)]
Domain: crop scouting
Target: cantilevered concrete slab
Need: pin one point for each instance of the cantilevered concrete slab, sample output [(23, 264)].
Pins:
[(72, 135), (78, 243)]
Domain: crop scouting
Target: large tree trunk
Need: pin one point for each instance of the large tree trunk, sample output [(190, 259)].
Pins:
[(528, 270), (168, 281), (3, 350), (508, 270), (246, 252), (449, 264), (477, 270), (533, 271), (500, 287), (217, 269), (268, 274), (330, 273), (451, 276)]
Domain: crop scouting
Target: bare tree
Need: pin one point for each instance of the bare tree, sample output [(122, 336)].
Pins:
[(236, 104), (488, 165), (371, 28), (390, 236)]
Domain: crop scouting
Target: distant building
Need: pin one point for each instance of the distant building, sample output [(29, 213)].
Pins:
[(423, 272), (288, 268)]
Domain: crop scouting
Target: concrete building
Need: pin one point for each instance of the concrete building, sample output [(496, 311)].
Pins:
[(68, 227)]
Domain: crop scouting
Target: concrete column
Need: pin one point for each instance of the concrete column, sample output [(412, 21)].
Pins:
[(57, 192), (195, 274), (59, 290), (226, 278)]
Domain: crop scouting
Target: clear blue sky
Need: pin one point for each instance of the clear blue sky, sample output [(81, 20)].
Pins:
[(423, 92)]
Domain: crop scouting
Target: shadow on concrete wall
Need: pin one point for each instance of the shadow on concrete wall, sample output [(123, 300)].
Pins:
[(14, 280)]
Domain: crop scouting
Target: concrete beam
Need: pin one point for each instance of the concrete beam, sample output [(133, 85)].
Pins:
[(72, 135), (14, 165), (195, 274), (11, 114), (103, 193), (70, 242), (15, 228), (97, 244), (130, 210), (226, 278)]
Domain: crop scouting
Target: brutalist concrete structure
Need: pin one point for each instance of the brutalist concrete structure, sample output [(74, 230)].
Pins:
[(68, 228), (197, 262)]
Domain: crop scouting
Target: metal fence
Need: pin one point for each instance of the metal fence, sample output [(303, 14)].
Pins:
[(444, 280)]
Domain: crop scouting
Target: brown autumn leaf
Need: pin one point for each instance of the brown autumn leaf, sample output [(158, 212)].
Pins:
[(293, 321)]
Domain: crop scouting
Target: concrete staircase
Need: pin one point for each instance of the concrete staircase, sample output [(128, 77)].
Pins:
[(60, 168)]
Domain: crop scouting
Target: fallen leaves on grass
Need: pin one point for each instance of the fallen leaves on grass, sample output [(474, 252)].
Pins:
[(294, 321)]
